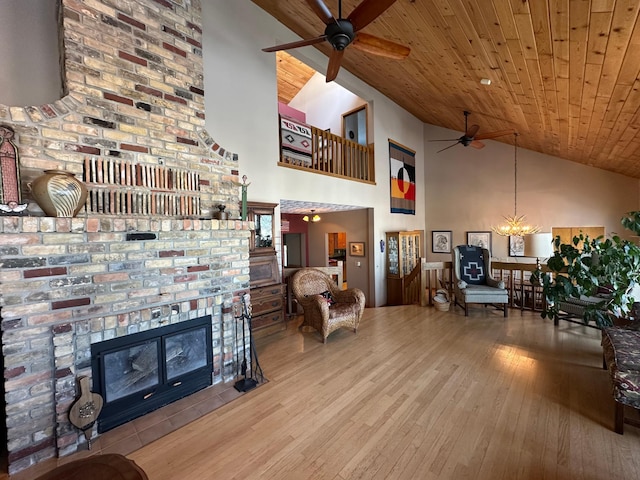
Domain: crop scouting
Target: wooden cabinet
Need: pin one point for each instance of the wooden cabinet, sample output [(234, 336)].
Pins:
[(404, 250), (267, 289), (267, 309)]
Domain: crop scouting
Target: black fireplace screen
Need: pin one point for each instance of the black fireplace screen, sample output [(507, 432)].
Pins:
[(139, 373)]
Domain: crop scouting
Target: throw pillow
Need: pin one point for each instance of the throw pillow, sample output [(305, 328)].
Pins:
[(472, 268), (328, 297)]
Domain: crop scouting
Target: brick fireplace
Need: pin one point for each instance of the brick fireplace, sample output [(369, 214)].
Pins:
[(134, 98)]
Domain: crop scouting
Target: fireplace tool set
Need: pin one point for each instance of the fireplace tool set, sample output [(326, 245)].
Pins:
[(249, 369)]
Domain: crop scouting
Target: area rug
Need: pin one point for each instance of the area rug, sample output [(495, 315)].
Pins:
[(110, 466)]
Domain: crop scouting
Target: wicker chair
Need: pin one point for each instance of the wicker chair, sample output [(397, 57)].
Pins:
[(314, 289)]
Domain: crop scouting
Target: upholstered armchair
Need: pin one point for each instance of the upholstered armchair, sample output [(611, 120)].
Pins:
[(472, 279), (326, 307)]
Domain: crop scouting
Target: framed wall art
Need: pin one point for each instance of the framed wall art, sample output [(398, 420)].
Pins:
[(441, 241), (516, 246), (479, 239), (356, 249)]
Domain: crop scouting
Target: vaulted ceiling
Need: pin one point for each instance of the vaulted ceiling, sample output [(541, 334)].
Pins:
[(564, 73)]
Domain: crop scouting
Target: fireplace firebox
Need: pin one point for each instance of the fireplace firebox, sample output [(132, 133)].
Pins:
[(142, 372)]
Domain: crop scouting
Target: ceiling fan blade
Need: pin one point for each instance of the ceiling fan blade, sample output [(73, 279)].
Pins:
[(334, 64), (447, 147), (379, 46), (477, 144), (299, 43), (472, 131), (367, 12), (499, 133), (446, 140), (321, 10)]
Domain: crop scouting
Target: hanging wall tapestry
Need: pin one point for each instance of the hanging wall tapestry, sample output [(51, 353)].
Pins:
[(295, 142), (402, 161)]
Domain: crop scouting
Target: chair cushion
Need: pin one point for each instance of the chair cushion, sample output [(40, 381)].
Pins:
[(485, 290), (472, 268)]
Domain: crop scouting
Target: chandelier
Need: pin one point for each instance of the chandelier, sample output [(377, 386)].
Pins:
[(515, 225)]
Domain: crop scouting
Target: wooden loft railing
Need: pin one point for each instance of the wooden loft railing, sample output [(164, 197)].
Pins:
[(336, 156)]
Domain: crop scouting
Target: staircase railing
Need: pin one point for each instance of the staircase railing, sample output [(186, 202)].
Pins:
[(338, 157), (412, 291)]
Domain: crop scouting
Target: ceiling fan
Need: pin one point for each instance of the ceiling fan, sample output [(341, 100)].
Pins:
[(342, 32), (470, 137)]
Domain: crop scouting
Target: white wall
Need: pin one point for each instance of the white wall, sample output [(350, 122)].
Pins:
[(241, 109), (324, 103), (471, 189), (464, 188), (30, 73)]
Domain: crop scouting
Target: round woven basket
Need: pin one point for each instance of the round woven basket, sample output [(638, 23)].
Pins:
[(442, 306)]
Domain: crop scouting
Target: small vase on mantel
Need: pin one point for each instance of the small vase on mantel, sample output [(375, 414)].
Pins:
[(59, 193)]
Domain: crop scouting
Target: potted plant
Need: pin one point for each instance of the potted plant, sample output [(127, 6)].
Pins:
[(606, 270)]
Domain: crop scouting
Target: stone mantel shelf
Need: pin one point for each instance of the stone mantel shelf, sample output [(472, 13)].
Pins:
[(121, 224)]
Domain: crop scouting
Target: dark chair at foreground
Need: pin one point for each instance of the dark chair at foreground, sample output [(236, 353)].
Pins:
[(472, 280), (326, 307)]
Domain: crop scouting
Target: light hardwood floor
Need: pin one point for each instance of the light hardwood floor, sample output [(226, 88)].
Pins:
[(416, 394)]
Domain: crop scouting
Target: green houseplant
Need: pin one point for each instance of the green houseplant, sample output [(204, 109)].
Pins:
[(605, 269)]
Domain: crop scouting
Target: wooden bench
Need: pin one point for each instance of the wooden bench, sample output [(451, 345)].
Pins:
[(621, 356)]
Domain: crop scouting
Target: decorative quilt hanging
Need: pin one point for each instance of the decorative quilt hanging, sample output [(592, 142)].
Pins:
[(402, 162), (295, 142)]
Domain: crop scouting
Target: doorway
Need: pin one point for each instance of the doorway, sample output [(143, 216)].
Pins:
[(354, 125), (294, 253), (337, 251)]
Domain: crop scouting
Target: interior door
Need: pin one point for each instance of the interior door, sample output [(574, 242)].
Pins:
[(294, 250)]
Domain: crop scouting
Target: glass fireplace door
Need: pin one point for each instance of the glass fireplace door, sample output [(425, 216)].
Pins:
[(131, 370)]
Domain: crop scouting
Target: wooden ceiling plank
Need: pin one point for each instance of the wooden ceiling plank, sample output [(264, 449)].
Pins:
[(526, 36), (576, 135), (599, 26), (564, 72), (622, 23), (518, 7), (630, 68), (615, 104), (602, 5), (559, 24), (505, 19), (597, 132), (562, 117), (632, 103), (578, 44)]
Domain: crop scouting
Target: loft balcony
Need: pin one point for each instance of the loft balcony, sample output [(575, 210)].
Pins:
[(311, 149)]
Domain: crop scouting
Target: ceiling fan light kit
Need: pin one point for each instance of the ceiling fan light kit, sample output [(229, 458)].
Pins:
[(342, 32), (311, 218)]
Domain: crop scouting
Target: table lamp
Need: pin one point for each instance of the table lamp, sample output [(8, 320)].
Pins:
[(538, 245)]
